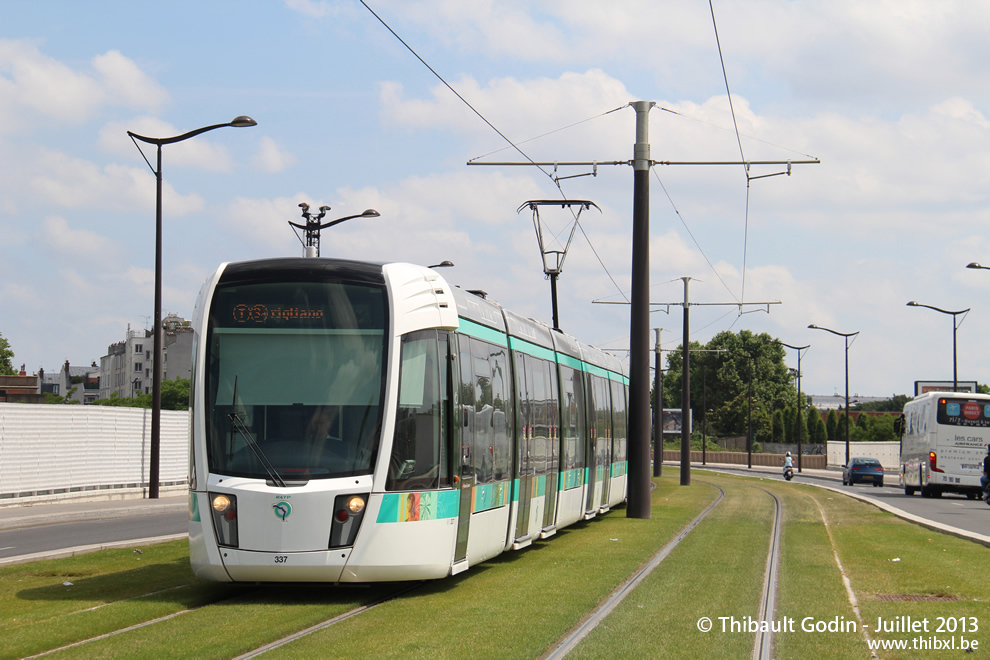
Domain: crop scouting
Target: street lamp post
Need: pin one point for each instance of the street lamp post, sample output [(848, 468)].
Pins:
[(156, 384), (314, 225), (955, 327), (847, 336), (798, 410)]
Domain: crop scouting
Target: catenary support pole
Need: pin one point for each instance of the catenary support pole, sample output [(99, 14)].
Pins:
[(686, 393), (639, 322), (657, 409)]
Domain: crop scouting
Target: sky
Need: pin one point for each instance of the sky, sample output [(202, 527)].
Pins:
[(891, 96)]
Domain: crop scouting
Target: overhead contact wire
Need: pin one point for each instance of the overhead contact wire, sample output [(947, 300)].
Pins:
[(500, 134), (735, 124)]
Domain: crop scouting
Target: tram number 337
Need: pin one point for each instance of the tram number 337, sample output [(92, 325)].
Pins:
[(281, 559)]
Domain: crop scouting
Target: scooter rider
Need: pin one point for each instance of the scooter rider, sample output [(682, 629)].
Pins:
[(789, 463)]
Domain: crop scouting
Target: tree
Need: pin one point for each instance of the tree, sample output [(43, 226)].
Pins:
[(6, 358), (726, 375), (778, 426), (175, 396), (819, 434), (61, 400), (831, 424)]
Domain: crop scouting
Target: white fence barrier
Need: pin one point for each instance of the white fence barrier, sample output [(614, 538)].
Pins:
[(888, 453), (55, 452)]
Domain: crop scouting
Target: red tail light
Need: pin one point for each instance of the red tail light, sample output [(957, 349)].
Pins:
[(933, 462)]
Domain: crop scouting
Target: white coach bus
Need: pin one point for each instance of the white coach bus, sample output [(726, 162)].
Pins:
[(944, 439)]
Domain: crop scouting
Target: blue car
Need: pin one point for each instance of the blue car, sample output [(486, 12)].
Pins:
[(862, 469)]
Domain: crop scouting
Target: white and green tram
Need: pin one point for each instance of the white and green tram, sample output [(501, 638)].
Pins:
[(362, 422)]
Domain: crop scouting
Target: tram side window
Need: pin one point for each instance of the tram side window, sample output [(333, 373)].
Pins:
[(553, 418), (466, 396), (524, 412), (603, 420), (484, 413), (619, 422), (501, 397), (416, 446), (538, 373), (572, 418)]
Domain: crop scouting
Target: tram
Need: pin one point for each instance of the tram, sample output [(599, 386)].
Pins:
[(368, 422)]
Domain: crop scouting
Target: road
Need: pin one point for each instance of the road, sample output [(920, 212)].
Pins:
[(44, 531), (60, 536)]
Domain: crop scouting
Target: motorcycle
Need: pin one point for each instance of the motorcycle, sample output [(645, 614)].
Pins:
[(789, 474), (986, 493)]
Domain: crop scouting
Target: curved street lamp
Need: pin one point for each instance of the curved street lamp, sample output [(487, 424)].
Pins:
[(156, 383), (800, 424), (955, 327), (847, 335), (314, 226)]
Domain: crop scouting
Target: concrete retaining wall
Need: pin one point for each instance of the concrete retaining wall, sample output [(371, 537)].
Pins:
[(741, 458)]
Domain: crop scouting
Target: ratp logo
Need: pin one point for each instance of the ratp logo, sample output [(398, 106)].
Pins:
[(282, 510)]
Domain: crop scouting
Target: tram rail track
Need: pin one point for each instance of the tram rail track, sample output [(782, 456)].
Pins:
[(574, 637), (763, 646), (357, 611), (763, 640)]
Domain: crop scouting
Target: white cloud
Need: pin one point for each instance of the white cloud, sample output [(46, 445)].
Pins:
[(34, 85), (71, 241), (125, 81), (75, 183), (271, 157), (520, 109), (314, 8)]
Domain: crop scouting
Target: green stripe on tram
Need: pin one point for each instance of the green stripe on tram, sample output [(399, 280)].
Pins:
[(482, 332), (498, 337), (524, 346), (569, 361), (596, 371)]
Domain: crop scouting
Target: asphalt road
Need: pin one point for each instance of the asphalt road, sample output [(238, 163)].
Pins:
[(103, 532)]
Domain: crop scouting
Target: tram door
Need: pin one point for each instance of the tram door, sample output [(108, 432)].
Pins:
[(524, 442), (464, 418), (553, 448), (603, 411), (599, 445)]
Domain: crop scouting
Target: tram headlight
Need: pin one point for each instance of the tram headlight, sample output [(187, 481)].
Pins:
[(224, 516), (355, 504), (348, 512), (221, 503)]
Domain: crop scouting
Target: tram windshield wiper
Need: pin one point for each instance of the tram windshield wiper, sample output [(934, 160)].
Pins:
[(236, 423)]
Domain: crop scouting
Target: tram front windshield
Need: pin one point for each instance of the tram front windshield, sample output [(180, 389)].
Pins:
[(294, 379)]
